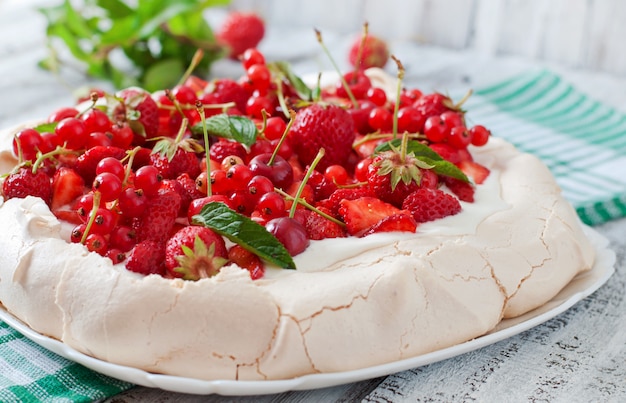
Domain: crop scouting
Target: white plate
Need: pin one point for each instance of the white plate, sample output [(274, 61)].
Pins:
[(581, 287)]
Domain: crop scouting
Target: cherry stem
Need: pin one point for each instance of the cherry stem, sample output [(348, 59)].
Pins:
[(129, 165), (172, 98), (292, 117), (207, 154), (396, 105), (467, 95), (195, 61), (281, 98), (309, 172), (94, 99), (92, 216), (344, 83), (181, 130)]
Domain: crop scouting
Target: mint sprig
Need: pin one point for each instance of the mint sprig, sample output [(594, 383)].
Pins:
[(244, 232), (158, 39)]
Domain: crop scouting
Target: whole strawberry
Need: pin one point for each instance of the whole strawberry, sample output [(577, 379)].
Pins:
[(369, 52), (25, 182), (195, 252), (140, 111), (427, 204), (182, 161), (241, 31), (322, 126), (159, 217)]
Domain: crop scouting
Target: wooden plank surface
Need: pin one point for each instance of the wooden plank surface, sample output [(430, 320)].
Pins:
[(578, 356)]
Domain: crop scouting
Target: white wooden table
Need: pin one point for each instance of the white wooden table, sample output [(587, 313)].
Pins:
[(579, 356)]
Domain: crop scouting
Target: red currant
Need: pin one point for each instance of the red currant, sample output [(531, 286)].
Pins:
[(337, 174), (96, 121), (72, 132), (377, 96), (271, 205), (381, 119), (251, 57), (259, 76), (274, 128), (112, 165), (132, 202), (29, 142), (435, 129), (148, 179), (410, 120), (109, 185), (459, 137), (480, 135)]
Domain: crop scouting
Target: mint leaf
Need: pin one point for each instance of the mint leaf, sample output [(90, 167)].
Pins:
[(426, 154), (238, 128), (244, 232), (46, 127)]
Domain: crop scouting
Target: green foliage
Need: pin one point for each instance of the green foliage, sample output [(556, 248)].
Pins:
[(148, 44)]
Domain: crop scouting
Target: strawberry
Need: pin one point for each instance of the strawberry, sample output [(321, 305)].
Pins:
[(24, 182), (362, 213), (392, 176), (67, 185), (140, 111), (224, 148), (86, 164), (318, 227), (401, 222), (159, 217), (246, 260), (474, 170), (433, 105), (427, 204), (241, 31), (369, 52), (463, 190), (227, 90), (147, 257), (347, 194), (195, 252), (171, 166), (322, 126)]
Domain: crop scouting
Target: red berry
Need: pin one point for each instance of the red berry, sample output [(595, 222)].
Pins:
[(206, 253), (147, 257), (459, 137), (480, 135), (250, 57), (373, 53), (290, 233), (241, 31), (246, 260), (435, 129), (426, 204), (29, 142)]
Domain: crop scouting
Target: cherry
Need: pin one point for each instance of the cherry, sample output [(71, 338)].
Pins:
[(279, 172), (290, 233), (358, 83), (360, 116)]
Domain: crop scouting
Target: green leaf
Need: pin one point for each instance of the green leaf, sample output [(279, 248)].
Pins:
[(238, 128), (244, 232), (115, 8), (301, 88), (418, 149), (445, 168), (46, 127), (163, 74)]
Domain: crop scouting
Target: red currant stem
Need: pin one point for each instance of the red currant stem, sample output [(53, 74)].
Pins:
[(467, 95), (224, 105), (352, 185), (181, 131), (396, 105), (195, 61), (263, 124), (345, 85), (129, 165), (207, 155), (292, 117), (94, 99), (307, 175), (310, 207), (42, 157), (92, 215), (281, 98), (359, 56), (20, 154)]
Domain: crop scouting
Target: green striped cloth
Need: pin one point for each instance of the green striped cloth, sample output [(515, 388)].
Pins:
[(29, 373), (581, 140)]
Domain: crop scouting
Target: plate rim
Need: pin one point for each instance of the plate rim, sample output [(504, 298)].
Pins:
[(593, 279)]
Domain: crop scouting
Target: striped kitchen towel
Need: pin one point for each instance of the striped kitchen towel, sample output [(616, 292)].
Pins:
[(29, 373), (581, 140)]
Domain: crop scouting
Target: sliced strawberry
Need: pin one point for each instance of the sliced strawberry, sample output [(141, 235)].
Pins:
[(401, 222), (147, 257), (463, 190), (67, 185), (318, 227), (431, 204), (247, 260), (474, 170), (347, 194), (362, 213)]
